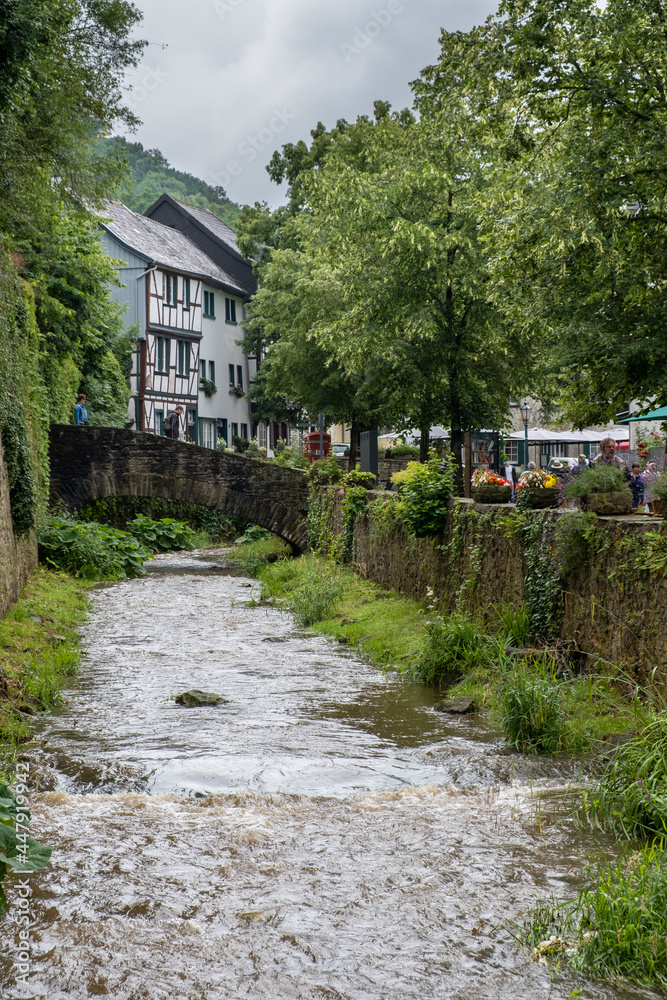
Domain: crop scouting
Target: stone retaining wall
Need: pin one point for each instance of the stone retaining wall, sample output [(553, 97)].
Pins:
[(18, 556), (612, 609)]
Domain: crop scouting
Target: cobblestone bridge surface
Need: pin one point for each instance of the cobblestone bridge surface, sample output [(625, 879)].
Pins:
[(92, 463)]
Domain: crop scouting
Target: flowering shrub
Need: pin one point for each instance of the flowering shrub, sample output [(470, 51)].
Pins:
[(536, 479), (487, 477)]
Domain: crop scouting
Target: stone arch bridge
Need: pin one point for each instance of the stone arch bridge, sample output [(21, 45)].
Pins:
[(92, 463)]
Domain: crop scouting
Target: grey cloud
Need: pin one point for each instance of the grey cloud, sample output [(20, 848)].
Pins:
[(238, 80)]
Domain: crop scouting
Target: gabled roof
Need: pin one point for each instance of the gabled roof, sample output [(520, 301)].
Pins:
[(213, 236), (212, 223), (163, 246)]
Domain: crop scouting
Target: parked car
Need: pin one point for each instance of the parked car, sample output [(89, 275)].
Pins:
[(340, 449)]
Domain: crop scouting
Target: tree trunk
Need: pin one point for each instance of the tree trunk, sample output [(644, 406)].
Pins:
[(458, 438), (424, 442), (354, 444)]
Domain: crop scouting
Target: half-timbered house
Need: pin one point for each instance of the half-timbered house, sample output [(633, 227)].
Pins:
[(167, 284)]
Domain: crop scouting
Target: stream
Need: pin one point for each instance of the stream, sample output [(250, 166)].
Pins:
[(324, 834)]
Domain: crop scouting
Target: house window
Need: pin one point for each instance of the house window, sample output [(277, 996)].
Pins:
[(170, 289), (182, 357), (222, 430), (235, 432), (186, 293), (558, 450), (244, 431), (162, 361), (512, 451), (159, 419), (211, 371), (209, 305), (231, 375), (230, 310), (239, 375), (202, 369)]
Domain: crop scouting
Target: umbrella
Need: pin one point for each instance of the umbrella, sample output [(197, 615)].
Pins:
[(660, 414)]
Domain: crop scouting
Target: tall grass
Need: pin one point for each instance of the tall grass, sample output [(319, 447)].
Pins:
[(531, 706), (454, 646), (513, 624), (315, 599), (631, 795), (616, 927)]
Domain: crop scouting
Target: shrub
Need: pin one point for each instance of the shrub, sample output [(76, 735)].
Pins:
[(325, 472), (240, 443), (617, 926), (89, 550), (355, 477), (454, 646), (164, 535), (600, 478), (17, 849), (401, 450), (631, 796), (253, 533), (405, 475), (425, 495), (532, 716), (315, 599)]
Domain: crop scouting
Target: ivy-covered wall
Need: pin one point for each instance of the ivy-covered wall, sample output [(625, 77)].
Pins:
[(599, 581), (18, 553)]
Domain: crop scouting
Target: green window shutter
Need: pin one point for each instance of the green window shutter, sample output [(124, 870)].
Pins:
[(521, 448)]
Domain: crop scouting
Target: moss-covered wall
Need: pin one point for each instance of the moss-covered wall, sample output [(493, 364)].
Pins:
[(582, 576), (18, 554)]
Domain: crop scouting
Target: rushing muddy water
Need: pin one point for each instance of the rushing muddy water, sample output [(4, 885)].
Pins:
[(325, 834)]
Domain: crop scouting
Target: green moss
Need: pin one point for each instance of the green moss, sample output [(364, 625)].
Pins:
[(39, 646)]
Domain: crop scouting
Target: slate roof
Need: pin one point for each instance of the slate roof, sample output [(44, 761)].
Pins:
[(163, 245), (213, 223)]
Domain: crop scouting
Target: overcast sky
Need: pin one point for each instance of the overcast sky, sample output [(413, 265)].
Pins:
[(238, 78)]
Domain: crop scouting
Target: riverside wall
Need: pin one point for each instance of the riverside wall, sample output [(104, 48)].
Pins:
[(609, 606), (18, 556)]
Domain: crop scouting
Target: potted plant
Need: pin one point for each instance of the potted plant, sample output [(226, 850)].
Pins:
[(490, 487), (538, 489), (656, 484), (603, 489)]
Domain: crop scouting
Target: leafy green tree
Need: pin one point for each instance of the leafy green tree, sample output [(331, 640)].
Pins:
[(581, 213)]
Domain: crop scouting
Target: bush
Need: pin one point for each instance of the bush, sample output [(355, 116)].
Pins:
[(90, 551), (401, 450), (454, 646), (315, 599), (253, 533), (240, 443), (325, 472), (164, 535), (631, 796), (355, 477), (617, 926), (532, 716), (600, 478), (17, 850), (424, 497)]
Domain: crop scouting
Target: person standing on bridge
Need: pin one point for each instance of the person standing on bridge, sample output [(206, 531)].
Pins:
[(172, 424), (80, 411)]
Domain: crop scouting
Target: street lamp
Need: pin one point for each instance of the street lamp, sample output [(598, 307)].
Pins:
[(525, 413)]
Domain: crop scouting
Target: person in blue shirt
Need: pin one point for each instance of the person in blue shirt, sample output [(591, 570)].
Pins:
[(80, 411)]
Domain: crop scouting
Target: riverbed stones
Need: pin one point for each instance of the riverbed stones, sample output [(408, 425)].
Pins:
[(456, 706), (200, 699)]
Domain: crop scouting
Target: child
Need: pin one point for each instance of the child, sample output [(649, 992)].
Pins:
[(637, 487)]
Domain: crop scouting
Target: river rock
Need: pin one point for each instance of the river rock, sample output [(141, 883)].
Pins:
[(200, 699), (456, 706)]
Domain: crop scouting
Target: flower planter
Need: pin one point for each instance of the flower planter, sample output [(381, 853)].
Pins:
[(541, 497), (491, 493), (608, 504)]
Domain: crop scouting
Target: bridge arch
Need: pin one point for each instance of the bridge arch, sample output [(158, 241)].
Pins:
[(93, 463)]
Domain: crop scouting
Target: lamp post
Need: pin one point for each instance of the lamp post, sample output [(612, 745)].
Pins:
[(525, 413)]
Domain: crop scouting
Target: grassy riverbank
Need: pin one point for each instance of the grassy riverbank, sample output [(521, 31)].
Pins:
[(39, 649), (540, 706)]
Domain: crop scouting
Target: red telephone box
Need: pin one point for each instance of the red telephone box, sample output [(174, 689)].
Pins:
[(311, 445)]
